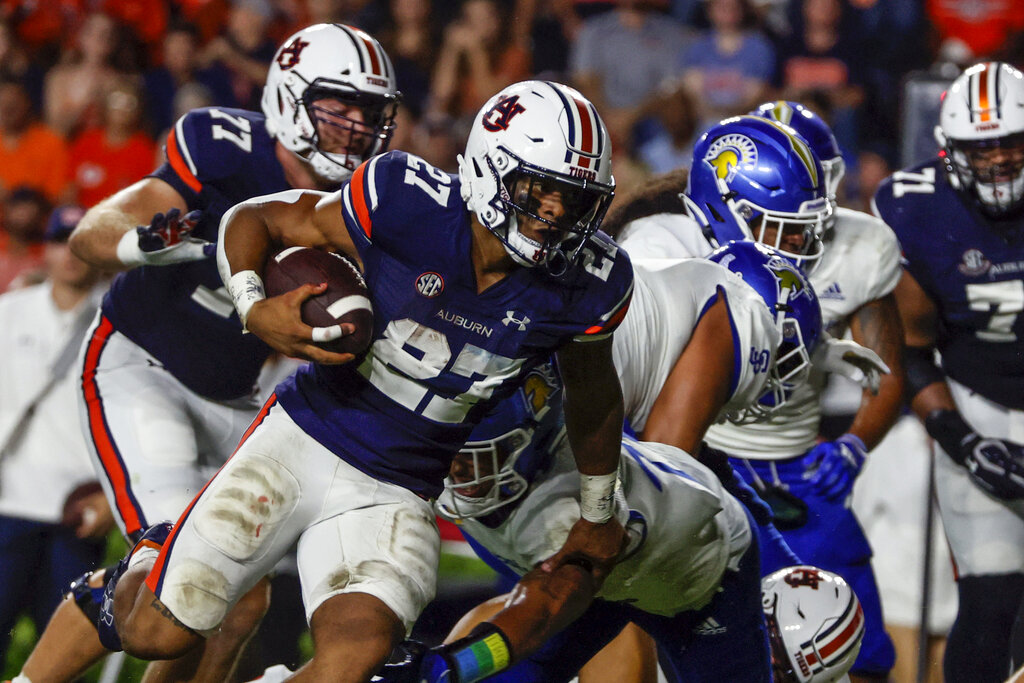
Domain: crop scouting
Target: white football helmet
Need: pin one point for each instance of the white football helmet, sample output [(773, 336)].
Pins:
[(531, 139), (815, 624), (331, 61), (981, 130)]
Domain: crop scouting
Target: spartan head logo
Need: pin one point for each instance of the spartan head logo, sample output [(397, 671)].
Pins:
[(728, 152), (288, 57)]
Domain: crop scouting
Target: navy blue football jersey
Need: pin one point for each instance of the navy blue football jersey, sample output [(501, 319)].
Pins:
[(972, 267), (443, 354), (182, 313)]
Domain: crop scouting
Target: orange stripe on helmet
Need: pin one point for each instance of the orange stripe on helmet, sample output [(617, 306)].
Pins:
[(178, 163), (983, 96)]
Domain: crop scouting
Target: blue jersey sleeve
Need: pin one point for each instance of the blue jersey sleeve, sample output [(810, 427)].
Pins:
[(208, 145), (388, 197), (606, 279)]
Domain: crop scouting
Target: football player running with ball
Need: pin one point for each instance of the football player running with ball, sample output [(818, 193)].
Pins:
[(168, 377), (960, 222), (475, 280)]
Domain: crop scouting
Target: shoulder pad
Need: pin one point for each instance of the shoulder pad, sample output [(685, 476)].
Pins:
[(215, 142)]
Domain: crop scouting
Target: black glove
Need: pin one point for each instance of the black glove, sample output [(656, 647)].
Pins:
[(995, 465)]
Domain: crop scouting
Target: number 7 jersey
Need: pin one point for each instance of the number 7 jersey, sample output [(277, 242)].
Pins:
[(443, 353), (972, 268)]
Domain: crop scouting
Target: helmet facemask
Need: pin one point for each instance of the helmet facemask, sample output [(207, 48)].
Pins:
[(565, 211), (991, 169), (493, 481), (339, 142), (774, 227)]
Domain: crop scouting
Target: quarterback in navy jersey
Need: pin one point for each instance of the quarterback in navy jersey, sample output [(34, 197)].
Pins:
[(960, 222), (168, 377), (475, 281)]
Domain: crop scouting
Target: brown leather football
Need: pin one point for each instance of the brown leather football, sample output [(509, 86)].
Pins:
[(346, 299)]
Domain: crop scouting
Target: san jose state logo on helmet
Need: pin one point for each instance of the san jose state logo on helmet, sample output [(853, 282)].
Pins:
[(728, 153)]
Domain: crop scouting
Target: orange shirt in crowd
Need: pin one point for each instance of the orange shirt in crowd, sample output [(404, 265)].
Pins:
[(983, 26), (99, 169), (38, 159)]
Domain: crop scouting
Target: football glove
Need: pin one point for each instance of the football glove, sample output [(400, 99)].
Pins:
[(166, 240), (419, 664), (995, 465), (851, 360), (837, 464)]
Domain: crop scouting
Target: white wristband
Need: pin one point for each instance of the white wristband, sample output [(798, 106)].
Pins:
[(246, 288), (597, 493), (128, 251)]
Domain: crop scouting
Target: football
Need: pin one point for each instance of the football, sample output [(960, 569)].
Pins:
[(346, 299)]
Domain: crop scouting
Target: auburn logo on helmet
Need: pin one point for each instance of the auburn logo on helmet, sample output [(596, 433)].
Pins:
[(500, 115), (803, 577), (288, 57)]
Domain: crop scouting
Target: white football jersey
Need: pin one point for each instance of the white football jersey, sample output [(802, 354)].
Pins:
[(684, 529), (861, 263), (669, 298)]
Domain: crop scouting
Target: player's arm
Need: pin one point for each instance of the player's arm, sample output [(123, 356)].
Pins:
[(698, 386), (102, 237), (876, 326), (254, 229), (593, 420)]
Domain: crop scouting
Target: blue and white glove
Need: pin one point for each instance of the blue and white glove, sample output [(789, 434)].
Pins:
[(838, 463), (166, 240), (851, 360), (995, 465)]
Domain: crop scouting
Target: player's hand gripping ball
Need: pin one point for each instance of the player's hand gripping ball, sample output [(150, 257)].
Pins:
[(346, 299)]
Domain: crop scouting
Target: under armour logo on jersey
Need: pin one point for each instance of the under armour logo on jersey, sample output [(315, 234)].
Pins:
[(430, 284), (500, 115), (288, 57), (511, 319)]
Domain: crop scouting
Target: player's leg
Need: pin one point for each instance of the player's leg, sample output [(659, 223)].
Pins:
[(987, 540), (367, 571), (631, 658), (833, 540), (21, 550)]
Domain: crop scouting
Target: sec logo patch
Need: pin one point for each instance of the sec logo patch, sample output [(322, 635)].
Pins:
[(430, 284)]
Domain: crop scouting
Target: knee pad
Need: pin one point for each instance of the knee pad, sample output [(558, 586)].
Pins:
[(978, 648)]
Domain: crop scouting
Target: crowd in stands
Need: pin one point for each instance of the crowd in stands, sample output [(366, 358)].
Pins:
[(89, 88)]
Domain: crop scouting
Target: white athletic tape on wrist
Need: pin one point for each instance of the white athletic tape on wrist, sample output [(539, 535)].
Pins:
[(246, 288), (597, 494), (128, 251)]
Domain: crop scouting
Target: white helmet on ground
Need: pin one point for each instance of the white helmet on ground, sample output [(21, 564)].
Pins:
[(323, 62), (981, 130), (815, 624), (538, 137)]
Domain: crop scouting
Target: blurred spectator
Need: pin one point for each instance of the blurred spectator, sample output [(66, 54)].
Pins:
[(478, 57), (31, 154), (180, 67), (243, 52), (41, 25), (665, 138), (21, 247), (821, 57), (73, 87), (731, 65), (53, 514), (15, 65), (621, 58), (983, 28), (549, 27), (147, 19), (436, 138), (106, 159), (410, 37)]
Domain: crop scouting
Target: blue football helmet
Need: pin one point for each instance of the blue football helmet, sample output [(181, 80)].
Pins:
[(513, 444), (755, 179), (818, 135), (792, 301)]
